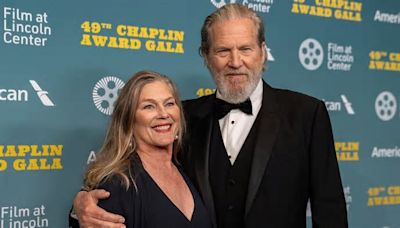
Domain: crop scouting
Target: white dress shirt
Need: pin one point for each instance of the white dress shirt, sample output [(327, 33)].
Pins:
[(236, 125)]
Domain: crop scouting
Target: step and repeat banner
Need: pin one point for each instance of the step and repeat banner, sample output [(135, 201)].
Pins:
[(63, 63)]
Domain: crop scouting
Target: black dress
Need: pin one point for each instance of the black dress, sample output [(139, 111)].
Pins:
[(148, 206)]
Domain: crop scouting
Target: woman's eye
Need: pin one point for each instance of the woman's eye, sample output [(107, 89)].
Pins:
[(169, 104), (148, 106)]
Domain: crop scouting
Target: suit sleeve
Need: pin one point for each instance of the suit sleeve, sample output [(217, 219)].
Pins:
[(72, 219), (327, 199)]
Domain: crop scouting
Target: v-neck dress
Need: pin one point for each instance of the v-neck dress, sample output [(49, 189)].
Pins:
[(147, 206)]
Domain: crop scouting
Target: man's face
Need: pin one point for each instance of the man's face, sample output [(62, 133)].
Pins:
[(235, 58)]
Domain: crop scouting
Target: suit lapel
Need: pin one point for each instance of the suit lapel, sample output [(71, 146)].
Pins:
[(200, 149), (266, 135)]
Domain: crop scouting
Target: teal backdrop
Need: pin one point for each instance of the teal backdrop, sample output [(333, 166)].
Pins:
[(62, 63)]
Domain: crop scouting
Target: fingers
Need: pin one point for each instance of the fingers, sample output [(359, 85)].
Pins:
[(97, 217), (96, 223), (98, 194), (101, 214), (90, 215)]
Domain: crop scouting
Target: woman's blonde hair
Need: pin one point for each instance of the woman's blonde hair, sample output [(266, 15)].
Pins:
[(119, 146)]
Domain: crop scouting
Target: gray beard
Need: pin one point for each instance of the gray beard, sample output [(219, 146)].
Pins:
[(236, 96)]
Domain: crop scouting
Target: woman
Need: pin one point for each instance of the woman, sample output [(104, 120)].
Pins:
[(137, 161)]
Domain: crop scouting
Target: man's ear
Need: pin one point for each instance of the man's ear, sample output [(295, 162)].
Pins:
[(205, 58), (264, 51)]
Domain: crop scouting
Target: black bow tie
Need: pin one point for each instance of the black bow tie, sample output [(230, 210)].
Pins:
[(222, 107)]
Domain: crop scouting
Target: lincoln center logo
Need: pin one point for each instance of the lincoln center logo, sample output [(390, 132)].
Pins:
[(311, 54), (105, 93), (385, 105), (260, 6)]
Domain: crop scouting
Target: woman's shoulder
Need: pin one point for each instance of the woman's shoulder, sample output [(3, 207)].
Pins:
[(114, 182), (122, 182), (129, 176), (123, 200)]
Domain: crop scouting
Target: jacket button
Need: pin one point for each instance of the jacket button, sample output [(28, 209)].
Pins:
[(230, 207), (232, 182)]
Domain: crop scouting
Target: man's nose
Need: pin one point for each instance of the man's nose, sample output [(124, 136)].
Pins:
[(235, 59)]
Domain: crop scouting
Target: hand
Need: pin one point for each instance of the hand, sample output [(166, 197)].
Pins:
[(90, 215)]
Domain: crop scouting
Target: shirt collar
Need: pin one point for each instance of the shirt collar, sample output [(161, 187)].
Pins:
[(256, 95)]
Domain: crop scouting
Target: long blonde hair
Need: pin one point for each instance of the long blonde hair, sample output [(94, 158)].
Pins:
[(119, 146)]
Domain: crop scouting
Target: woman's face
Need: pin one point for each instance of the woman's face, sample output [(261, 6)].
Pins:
[(157, 116)]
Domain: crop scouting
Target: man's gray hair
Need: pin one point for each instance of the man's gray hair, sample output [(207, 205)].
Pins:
[(229, 12)]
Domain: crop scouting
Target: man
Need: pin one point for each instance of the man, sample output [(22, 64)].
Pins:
[(256, 154)]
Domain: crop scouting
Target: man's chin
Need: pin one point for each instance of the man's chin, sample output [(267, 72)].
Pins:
[(235, 96), (236, 90), (237, 80)]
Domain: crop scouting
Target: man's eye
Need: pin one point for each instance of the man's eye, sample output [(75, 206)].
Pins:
[(247, 49), (223, 52)]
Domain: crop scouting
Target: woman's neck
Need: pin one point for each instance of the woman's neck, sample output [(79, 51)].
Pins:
[(156, 157)]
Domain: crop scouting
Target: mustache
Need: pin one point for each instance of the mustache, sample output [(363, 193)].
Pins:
[(234, 72)]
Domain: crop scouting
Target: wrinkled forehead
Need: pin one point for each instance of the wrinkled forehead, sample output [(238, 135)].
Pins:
[(157, 89), (232, 21), (232, 28)]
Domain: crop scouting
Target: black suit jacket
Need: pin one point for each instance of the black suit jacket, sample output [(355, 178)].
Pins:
[(294, 160)]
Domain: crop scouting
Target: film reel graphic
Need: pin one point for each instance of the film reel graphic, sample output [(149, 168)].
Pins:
[(311, 54), (106, 92), (385, 105)]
